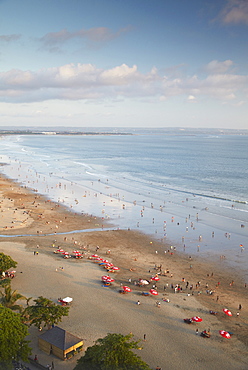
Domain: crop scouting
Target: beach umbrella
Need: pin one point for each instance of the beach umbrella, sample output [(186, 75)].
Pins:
[(227, 312), (197, 319), (78, 254), (153, 292), (126, 289), (60, 250), (107, 279), (65, 253), (155, 278), (225, 334), (109, 264), (110, 280), (67, 299), (144, 282), (115, 268), (94, 255)]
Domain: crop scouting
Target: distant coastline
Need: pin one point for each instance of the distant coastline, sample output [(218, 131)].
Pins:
[(31, 132), (119, 131)]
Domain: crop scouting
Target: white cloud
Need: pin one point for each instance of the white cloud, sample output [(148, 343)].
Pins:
[(235, 11), (87, 82), (17, 78), (98, 35), (9, 38), (228, 81), (240, 103), (119, 75), (218, 67), (191, 99), (231, 96)]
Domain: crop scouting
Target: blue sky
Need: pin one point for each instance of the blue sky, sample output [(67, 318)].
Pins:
[(124, 63)]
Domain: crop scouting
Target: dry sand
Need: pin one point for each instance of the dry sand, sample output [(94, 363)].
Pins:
[(98, 310)]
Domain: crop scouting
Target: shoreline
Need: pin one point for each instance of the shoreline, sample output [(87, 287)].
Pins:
[(103, 309), (128, 210)]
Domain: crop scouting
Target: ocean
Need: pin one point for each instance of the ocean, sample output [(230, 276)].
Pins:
[(188, 190)]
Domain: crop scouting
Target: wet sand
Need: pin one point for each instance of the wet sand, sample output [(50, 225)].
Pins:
[(98, 310)]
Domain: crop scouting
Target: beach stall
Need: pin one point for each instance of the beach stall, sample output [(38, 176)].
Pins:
[(60, 343)]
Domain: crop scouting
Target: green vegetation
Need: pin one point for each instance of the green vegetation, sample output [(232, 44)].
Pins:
[(14, 326), (6, 263), (113, 352), (9, 297), (44, 312), (13, 332)]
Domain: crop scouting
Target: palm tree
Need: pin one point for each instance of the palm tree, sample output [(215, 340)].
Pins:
[(9, 297)]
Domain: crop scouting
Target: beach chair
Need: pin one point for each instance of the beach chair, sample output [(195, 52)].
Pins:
[(205, 334), (188, 321)]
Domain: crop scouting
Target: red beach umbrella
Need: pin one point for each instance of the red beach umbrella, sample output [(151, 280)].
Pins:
[(94, 255), (110, 280), (155, 278), (78, 254), (107, 279), (196, 319), (227, 312), (65, 253), (126, 289), (115, 268), (60, 250), (225, 334), (153, 292)]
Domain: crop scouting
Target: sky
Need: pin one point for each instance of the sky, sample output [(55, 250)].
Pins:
[(124, 63)]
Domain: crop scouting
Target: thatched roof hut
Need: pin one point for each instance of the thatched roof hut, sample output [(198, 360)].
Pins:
[(60, 343)]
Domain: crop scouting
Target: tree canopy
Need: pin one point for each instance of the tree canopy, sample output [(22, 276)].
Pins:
[(44, 312), (9, 297), (113, 352), (6, 263), (13, 332)]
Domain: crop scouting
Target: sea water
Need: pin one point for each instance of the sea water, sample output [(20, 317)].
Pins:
[(186, 190)]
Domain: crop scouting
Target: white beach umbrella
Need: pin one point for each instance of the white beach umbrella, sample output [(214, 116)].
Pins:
[(67, 299)]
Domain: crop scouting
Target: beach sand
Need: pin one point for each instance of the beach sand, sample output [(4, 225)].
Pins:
[(27, 218)]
